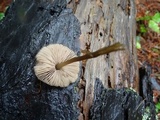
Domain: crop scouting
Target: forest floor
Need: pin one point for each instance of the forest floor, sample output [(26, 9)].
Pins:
[(149, 40)]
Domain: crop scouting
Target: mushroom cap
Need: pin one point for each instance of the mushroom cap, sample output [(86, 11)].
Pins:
[(46, 60)]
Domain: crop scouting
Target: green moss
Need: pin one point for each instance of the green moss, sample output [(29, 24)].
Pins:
[(1, 16)]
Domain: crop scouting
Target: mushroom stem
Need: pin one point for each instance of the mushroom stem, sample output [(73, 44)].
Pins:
[(102, 51)]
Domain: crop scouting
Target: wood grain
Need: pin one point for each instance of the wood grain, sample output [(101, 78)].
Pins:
[(104, 22)]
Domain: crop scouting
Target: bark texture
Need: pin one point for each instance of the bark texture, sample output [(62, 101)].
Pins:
[(104, 22), (28, 26), (31, 24)]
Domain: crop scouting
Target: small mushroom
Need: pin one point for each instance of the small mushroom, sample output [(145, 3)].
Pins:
[(57, 65), (47, 59)]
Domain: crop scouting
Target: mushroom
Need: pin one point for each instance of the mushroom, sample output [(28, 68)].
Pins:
[(59, 66), (47, 59)]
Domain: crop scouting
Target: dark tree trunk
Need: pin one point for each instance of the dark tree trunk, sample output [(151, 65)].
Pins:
[(102, 90), (28, 26)]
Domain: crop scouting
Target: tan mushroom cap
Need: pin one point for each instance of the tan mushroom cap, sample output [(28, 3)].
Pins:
[(48, 57)]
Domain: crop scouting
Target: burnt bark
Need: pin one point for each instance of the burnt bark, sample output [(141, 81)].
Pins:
[(101, 92), (28, 26)]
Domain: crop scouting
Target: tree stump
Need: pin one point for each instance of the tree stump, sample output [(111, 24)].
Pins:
[(102, 89)]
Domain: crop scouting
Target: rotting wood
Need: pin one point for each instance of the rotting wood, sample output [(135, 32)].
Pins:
[(104, 22)]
